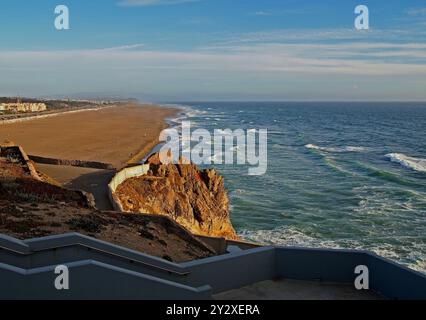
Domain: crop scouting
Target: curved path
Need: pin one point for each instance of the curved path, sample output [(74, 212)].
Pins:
[(90, 180)]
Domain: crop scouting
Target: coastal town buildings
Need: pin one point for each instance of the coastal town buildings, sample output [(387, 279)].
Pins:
[(22, 107)]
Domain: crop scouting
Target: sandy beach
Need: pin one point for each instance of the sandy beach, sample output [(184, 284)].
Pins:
[(117, 135), (113, 135)]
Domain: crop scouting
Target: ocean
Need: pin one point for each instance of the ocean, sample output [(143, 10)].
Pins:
[(340, 175)]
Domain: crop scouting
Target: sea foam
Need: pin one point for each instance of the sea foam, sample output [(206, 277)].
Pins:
[(336, 149), (416, 164), (291, 236)]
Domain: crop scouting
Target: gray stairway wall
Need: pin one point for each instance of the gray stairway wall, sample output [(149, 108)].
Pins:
[(88, 281), (26, 270), (234, 270), (60, 249)]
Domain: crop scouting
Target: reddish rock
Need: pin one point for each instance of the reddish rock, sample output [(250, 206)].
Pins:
[(196, 199)]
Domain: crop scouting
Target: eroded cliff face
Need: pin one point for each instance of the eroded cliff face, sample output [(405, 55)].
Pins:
[(196, 199), (31, 207)]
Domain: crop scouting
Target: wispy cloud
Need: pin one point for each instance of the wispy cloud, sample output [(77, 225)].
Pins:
[(124, 47), (416, 11), (269, 70), (278, 13), (140, 3), (340, 35), (362, 59)]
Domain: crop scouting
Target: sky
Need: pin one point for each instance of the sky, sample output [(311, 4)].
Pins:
[(184, 50)]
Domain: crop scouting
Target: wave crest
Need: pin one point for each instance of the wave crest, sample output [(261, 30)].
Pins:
[(416, 164), (336, 149)]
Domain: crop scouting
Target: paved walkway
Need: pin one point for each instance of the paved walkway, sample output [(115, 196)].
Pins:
[(297, 290), (90, 180)]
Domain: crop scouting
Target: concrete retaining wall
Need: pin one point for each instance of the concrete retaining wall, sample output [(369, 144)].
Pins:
[(233, 270), (100, 270), (119, 178), (220, 245), (17, 151), (92, 280), (70, 247), (72, 163)]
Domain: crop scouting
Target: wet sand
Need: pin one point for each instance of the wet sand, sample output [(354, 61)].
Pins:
[(113, 135)]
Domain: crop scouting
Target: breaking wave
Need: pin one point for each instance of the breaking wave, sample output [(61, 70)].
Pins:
[(285, 236), (416, 164), (336, 149)]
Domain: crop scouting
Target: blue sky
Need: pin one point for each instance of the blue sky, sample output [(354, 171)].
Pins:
[(215, 49)]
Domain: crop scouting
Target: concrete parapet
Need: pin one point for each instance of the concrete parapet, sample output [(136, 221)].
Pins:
[(221, 244), (72, 163), (19, 153), (119, 178), (102, 270)]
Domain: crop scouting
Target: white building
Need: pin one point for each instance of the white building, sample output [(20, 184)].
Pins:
[(23, 107)]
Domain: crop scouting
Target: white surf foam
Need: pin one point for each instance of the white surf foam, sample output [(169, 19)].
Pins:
[(291, 236), (336, 149), (416, 164), (186, 113), (285, 236)]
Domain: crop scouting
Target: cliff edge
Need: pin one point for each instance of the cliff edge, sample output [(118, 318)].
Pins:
[(194, 198), (32, 206)]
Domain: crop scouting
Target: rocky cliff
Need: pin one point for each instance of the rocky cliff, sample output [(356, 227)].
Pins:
[(31, 206), (196, 199)]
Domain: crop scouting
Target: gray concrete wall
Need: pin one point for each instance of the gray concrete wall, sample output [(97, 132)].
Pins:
[(119, 178), (70, 247), (133, 275), (395, 281), (234, 270), (72, 163), (388, 278), (221, 244), (319, 264), (25, 160), (88, 281)]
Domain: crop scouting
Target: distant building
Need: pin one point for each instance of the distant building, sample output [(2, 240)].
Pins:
[(23, 107)]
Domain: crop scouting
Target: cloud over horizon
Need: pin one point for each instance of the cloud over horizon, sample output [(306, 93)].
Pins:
[(140, 3), (273, 49), (272, 67)]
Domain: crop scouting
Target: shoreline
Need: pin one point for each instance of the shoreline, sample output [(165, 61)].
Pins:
[(149, 149), (119, 135), (145, 151)]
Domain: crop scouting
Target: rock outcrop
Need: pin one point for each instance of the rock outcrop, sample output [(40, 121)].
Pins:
[(31, 207), (196, 199)]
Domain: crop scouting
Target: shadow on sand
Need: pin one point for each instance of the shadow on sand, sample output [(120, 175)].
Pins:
[(97, 184)]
